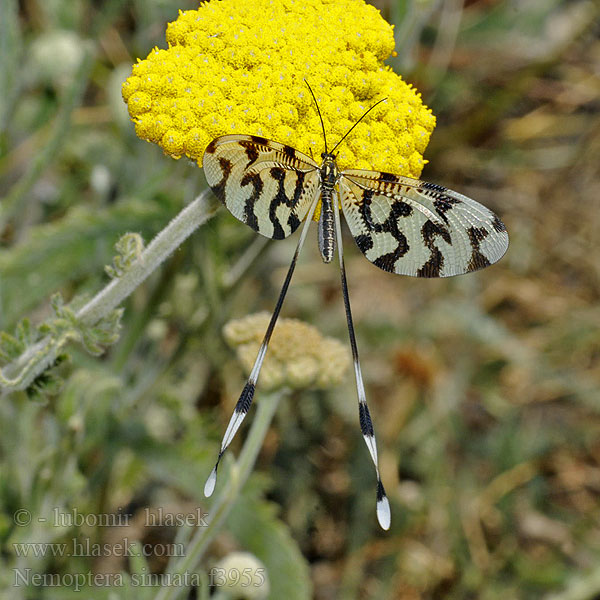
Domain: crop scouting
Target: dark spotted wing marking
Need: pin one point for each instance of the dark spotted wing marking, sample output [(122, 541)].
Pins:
[(413, 227), (265, 184)]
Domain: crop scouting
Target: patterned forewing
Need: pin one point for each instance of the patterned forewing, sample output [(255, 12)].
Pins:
[(412, 227), (265, 184)]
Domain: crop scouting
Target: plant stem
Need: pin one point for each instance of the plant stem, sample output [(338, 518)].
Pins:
[(19, 374), (238, 474), (161, 247), (579, 587)]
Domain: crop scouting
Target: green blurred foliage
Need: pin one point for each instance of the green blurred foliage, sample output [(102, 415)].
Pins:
[(484, 388)]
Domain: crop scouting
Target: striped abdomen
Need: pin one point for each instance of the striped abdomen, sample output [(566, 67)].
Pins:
[(329, 177), (326, 227)]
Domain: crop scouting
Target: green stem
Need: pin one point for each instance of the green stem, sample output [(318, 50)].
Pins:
[(19, 374), (579, 587), (11, 50), (161, 247), (238, 474)]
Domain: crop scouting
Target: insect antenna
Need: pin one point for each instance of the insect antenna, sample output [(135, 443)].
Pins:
[(366, 425), (357, 122), (245, 400), (320, 117)]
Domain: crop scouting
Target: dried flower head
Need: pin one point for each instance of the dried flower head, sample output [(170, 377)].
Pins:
[(299, 356), (242, 576), (238, 66)]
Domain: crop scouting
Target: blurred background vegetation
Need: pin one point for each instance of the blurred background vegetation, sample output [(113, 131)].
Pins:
[(484, 389)]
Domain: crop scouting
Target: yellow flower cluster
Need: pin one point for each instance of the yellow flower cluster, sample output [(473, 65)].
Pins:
[(238, 66), (299, 356)]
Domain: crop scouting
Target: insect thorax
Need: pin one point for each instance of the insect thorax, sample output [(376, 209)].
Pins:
[(329, 171)]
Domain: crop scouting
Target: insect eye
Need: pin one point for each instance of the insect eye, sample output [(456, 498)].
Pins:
[(323, 154)]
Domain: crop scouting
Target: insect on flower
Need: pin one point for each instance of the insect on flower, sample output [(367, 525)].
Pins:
[(402, 225)]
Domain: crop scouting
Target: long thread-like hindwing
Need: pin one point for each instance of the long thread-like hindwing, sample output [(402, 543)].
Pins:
[(411, 227), (265, 184), (384, 515)]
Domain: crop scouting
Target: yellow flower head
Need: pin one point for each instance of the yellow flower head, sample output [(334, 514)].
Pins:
[(238, 66), (299, 356)]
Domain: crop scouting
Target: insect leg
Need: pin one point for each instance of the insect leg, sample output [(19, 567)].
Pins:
[(366, 425), (245, 401)]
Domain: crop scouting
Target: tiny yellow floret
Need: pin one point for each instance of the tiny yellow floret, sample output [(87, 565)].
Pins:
[(238, 66)]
